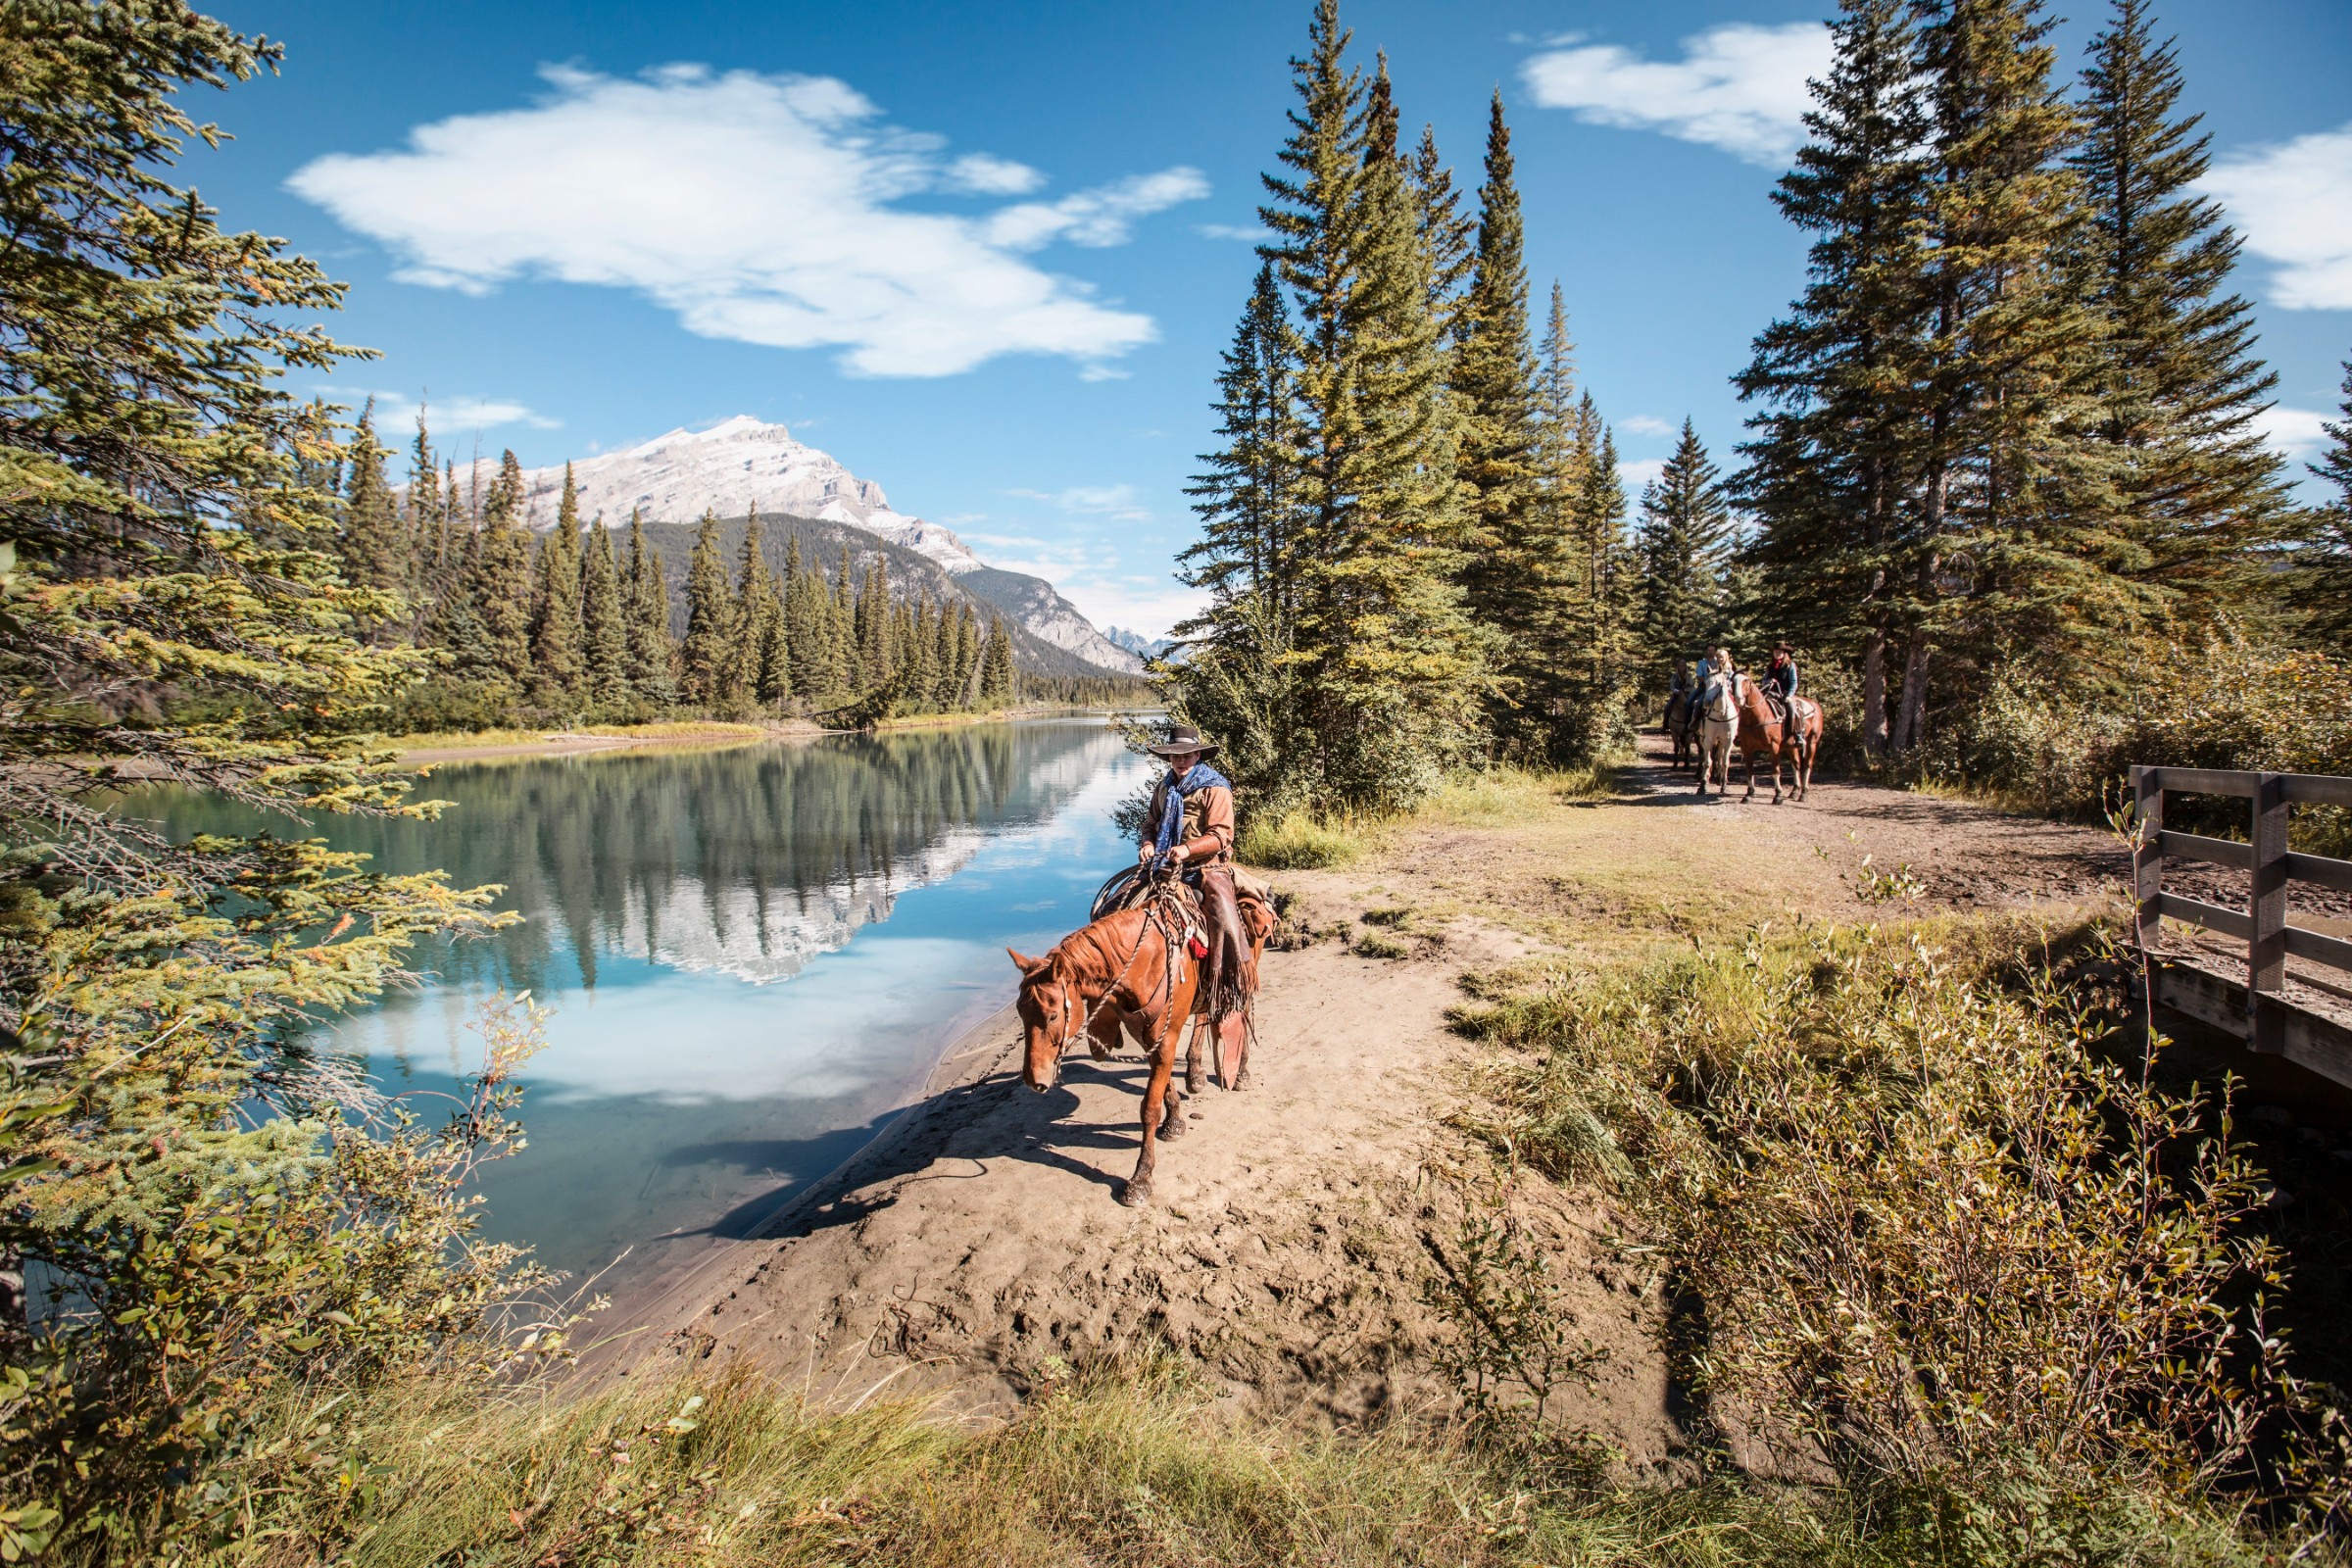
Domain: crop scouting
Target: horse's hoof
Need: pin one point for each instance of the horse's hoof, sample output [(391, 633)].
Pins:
[(1170, 1129), (1135, 1195), (1194, 1080)]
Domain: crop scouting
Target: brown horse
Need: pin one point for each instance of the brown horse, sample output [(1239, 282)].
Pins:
[(1761, 730), (1126, 971), (1678, 714)]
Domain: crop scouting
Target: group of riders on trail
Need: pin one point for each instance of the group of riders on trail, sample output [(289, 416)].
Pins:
[(1725, 709)]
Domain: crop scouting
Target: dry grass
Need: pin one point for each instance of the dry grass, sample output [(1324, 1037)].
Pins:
[(1119, 1468)]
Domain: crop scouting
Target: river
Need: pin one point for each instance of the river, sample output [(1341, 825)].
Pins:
[(754, 956)]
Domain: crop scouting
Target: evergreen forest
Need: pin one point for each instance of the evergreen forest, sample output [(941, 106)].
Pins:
[(2002, 466)]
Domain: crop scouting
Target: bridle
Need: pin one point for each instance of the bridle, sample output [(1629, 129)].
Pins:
[(1080, 1023)]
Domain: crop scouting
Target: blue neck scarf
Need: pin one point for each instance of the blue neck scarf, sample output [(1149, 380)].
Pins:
[(1171, 815)]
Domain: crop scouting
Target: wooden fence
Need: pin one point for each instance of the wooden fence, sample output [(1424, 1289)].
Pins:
[(2271, 937)]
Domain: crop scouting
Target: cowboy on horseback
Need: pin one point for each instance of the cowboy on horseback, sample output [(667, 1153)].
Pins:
[(1189, 828)]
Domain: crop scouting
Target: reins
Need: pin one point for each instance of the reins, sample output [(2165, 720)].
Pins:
[(1082, 1023)]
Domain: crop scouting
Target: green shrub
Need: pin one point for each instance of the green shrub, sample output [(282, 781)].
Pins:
[(2232, 704), (1941, 1241)]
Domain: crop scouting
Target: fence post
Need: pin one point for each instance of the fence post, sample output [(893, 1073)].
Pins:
[(2266, 951), (2147, 865)]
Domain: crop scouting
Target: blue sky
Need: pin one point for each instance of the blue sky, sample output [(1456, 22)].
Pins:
[(987, 255)]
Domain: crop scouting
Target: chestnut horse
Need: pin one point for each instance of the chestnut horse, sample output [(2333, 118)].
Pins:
[(1761, 731), (1130, 970)]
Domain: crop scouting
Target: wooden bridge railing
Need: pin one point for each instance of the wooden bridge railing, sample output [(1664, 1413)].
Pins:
[(2271, 938)]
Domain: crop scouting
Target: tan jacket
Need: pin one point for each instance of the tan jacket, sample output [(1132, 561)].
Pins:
[(1207, 814)]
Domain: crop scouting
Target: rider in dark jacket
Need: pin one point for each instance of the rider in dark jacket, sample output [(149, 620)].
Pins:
[(1780, 679)]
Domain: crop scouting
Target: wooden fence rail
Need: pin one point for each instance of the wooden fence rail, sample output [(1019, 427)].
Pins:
[(2271, 938)]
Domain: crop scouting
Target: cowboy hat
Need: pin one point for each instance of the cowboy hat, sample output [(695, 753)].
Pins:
[(1183, 738)]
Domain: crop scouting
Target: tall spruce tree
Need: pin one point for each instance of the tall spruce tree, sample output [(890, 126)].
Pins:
[(756, 612), (653, 657), (1494, 374), (1830, 469), (604, 626), (2180, 383), (807, 626), (498, 576), (2322, 575), (1545, 683), (1446, 235), (997, 675), (374, 554), (1685, 537), (1392, 667), (424, 523), (557, 669), (706, 673), (2019, 518)]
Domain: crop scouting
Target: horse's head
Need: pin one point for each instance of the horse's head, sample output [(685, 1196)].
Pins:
[(1719, 704), (1046, 1005)]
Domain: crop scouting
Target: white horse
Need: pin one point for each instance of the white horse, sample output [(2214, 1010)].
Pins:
[(1718, 721)]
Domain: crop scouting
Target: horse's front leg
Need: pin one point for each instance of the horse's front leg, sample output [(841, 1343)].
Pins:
[(1138, 1191), (1750, 758), (1194, 1081), (1775, 778), (1103, 1031)]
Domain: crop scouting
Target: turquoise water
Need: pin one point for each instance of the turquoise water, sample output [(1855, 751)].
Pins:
[(754, 956)]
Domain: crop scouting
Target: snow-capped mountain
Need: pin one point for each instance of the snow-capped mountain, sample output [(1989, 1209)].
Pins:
[(743, 462), (1136, 642)]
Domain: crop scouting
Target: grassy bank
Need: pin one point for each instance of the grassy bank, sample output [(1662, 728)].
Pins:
[(680, 730), (1116, 1467)]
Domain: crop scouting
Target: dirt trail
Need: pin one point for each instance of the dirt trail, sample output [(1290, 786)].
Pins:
[(979, 1240)]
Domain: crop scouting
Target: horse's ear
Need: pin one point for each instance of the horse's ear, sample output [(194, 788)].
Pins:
[(1026, 965)]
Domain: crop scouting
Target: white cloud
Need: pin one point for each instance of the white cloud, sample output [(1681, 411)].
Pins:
[(986, 175), (1094, 218), (397, 412), (1645, 424), (1114, 501), (1248, 234), (760, 209), (1741, 88), (2294, 434), (2294, 202), (1634, 475)]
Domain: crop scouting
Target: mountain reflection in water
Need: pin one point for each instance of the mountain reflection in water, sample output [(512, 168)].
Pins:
[(753, 954)]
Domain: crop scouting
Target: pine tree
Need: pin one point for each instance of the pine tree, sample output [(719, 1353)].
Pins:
[(1494, 374), (757, 613), (873, 626), (2018, 511), (375, 554), (2323, 578), (1544, 666), (1685, 535), (842, 630), (1832, 467), (498, 576), (808, 625), (996, 678), (557, 669), (173, 1162), (1602, 600), (652, 658), (604, 626), (706, 659), (1393, 668), (1446, 236), (425, 526), (2181, 386), (967, 657)]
